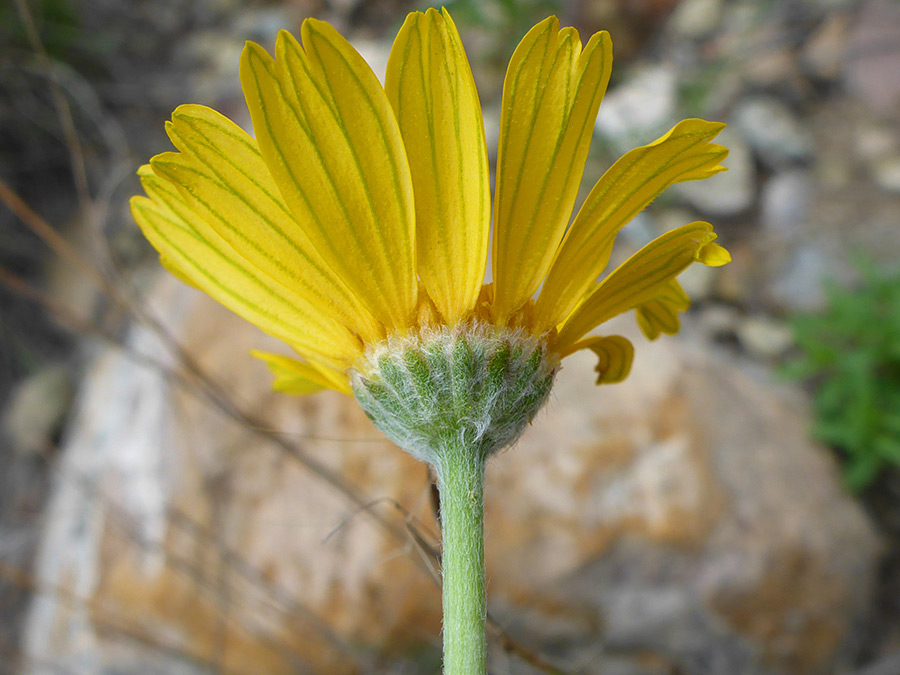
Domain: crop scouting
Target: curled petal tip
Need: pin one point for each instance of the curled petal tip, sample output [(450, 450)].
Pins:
[(713, 255)]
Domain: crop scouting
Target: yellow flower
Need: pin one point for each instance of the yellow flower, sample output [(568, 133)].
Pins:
[(355, 227), (361, 214)]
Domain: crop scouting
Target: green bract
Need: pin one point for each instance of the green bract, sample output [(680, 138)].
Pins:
[(475, 385)]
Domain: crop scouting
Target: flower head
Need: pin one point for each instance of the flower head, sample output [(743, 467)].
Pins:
[(355, 225)]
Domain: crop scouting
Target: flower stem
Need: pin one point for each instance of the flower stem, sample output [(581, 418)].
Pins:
[(461, 482)]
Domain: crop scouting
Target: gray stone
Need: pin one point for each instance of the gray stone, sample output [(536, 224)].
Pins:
[(695, 19), (773, 131), (872, 59), (640, 109), (764, 337), (798, 285), (786, 201), (727, 193), (719, 321)]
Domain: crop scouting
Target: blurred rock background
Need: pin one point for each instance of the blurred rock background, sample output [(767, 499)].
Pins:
[(162, 512)]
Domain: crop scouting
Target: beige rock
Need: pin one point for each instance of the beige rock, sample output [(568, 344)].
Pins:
[(683, 516), (823, 53), (36, 410)]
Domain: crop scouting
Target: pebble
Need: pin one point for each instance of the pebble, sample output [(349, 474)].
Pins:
[(873, 141), (718, 321), (798, 286), (693, 19), (772, 67), (823, 54), (773, 131), (886, 174), (872, 60), (37, 408), (736, 282), (786, 201), (764, 337), (668, 219), (640, 109)]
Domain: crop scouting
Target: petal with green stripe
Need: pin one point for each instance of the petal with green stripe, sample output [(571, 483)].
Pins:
[(639, 279), (684, 153), (224, 179), (659, 315), (615, 355), (203, 258), (293, 376), (331, 142), (551, 94), (431, 89)]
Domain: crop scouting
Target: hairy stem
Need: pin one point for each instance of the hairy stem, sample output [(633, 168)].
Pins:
[(461, 482)]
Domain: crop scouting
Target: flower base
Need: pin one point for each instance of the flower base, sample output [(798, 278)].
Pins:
[(476, 386)]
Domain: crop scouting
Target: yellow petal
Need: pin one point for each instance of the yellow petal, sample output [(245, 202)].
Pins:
[(639, 279), (224, 179), (660, 314), (293, 376), (175, 270), (615, 354), (332, 144), (684, 153), (430, 86), (713, 255), (550, 99), (205, 260)]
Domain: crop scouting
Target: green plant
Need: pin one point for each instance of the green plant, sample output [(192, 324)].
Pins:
[(850, 353)]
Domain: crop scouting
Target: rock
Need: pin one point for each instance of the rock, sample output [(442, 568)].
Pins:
[(719, 321), (772, 67), (763, 337), (773, 131), (640, 230), (823, 54), (871, 72), (786, 201), (682, 518), (688, 524), (737, 281), (873, 142), (798, 285), (832, 173), (213, 55), (727, 193), (672, 217), (819, 9), (694, 19), (886, 173), (640, 109), (37, 409)]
